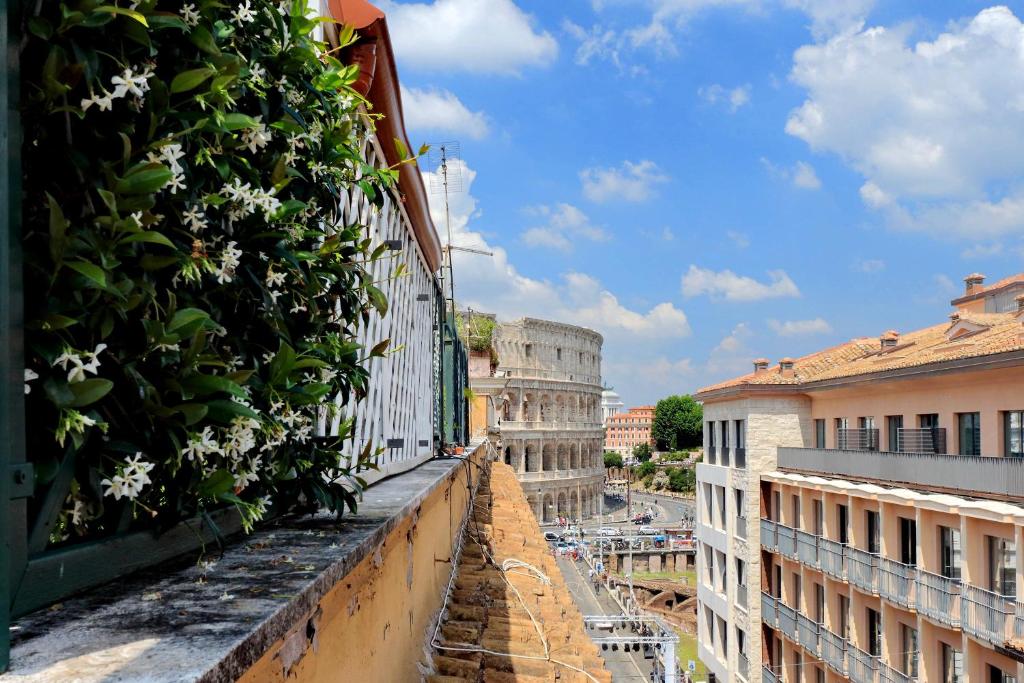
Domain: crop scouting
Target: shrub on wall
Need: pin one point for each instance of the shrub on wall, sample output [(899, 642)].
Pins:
[(192, 295)]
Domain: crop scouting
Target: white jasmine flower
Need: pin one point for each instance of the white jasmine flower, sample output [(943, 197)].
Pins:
[(115, 487), (29, 376), (195, 219), (225, 596), (189, 15), (130, 82), (243, 14), (256, 138)]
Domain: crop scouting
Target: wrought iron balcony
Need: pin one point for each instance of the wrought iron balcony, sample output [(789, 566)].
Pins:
[(857, 439), (863, 668), (897, 582), (938, 597), (787, 620), (807, 548), (787, 541), (769, 535), (987, 615), (807, 632), (890, 674), (862, 569), (769, 610), (832, 557), (927, 440), (833, 651)]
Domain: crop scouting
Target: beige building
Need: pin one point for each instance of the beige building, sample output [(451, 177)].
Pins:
[(544, 399), (860, 508)]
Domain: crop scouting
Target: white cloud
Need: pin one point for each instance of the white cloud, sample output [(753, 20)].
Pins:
[(945, 284), (631, 182), (829, 17), (730, 356), (434, 109), (478, 36), (870, 265), (732, 287), (800, 328), (733, 98), (667, 234), (564, 224), (740, 239), (801, 174), (981, 251), (936, 128)]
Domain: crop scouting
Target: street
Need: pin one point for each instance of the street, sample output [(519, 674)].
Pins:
[(668, 510)]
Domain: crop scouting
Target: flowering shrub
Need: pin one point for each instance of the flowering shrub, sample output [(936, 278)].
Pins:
[(192, 295)]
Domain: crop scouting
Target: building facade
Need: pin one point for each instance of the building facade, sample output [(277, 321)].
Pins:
[(544, 400), (860, 508), (625, 431)]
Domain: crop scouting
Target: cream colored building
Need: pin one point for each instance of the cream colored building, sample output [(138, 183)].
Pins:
[(544, 400), (860, 508)]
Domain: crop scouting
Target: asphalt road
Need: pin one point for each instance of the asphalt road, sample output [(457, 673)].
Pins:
[(668, 511)]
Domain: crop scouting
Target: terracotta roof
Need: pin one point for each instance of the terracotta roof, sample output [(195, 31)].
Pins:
[(973, 335), (484, 611), (988, 289)]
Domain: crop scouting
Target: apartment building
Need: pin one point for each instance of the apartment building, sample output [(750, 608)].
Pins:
[(860, 508), (625, 431)]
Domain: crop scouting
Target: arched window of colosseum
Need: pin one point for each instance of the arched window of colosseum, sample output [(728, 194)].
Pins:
[(574, 456), (563, 456), (549, 457), (532, 458)]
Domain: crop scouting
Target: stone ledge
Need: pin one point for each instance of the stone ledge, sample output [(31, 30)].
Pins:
[(182, 621)]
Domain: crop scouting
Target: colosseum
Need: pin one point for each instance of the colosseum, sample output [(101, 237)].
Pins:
[(544, 397)]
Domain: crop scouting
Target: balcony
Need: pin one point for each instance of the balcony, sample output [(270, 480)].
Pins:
[(890, 674), (807, 633), (928, 440), (769, 610), (862, 569), (938, 598), (741, 595), (832, 556), (986, 615), (769, 535), (787, 620), (769, 676), (807, 548), (897, 582), (863, 667), (833, 651), (986, 477), (787, 541), (743, 664), (857, 439), (740, 528), (739, 458)]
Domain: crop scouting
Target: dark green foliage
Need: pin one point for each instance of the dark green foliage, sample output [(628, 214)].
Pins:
[(678, 423)]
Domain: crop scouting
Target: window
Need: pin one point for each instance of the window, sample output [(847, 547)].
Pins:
[(819, 518), (819, 603), (775, 513), (874, 633), (819, 433), (908, 541), (970, 433), (795, 501), (928, 421), (844, 616), (893, 424), (741, 574), (798, 666), (725, 434), (843, 517), (952, 664), (797, 591), (866, 422), (711, 434), (841, 424), (741, 641), (871, 516), (908, 642), (741, 434), (529, 350), (558, 354), (1002, 566), (1013, 433), (819, 675), (740, 509), (997, 675), (777, 583), (949, 552)]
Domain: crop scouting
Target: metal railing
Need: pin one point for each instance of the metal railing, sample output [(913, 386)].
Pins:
[(769, 535), (987, 615), (739, 457), (787, 620), (927, 440), (938, 597), (740, 528), (807, 632), (832, 557), (787, 541), (862, 569), (833, 651), (807, 548), (863, 668), (970, 474), (741, 595), (889, 674), (768, 675), (743, 664), (897, 582), (857, 439), (770, 610)]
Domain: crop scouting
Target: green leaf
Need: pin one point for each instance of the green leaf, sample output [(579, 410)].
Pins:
[(237, 121), (193, 78), (218, 483), (403, 151), (55, 321), (379, 348), (58, 230), (193, 412), (203, 39), (202, 385), (144, 178), (149, 236), (186, 317), (124, 12), (89, 270), (224, 411), (89, 391), (282, 364), (377, 299), (57, 391)]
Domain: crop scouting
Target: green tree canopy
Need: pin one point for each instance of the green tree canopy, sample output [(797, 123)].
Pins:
[(612, 459), (678, 423), (642, 452), (682, 480), (646, 469)]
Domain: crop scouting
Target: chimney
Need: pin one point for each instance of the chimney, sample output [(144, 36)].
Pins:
[(889, 339), (761, 364), (786, 367), (1020, 304), (974, 283)]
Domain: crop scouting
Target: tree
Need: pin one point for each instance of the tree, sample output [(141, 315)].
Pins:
[(612, 459), (678, 423), (645, 469), (642, 452), (660, 480), (682, 480)]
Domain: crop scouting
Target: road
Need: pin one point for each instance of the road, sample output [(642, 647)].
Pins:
[(624, 667), (668, 511)]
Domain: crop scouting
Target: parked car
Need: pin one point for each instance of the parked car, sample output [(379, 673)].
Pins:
[(608, 531), (552, 536), (647, 531)]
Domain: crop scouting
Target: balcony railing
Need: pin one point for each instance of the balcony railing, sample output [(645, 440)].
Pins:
[(787, 620), (863, 667), (938, 597), (890, 674), (739, 457), (787, 541), (987, 615), (928, 440), (1001, 478), (743, 664), (769, 676), (897, 582), (711, 455), (807, 633), (862, 569), (741, 595), (769, 535), (832, 556), (833, 651), (857, 439), (807, 548), (740, 528), (769, 610)]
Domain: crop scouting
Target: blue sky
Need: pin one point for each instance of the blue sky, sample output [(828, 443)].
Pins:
[(709, 181)]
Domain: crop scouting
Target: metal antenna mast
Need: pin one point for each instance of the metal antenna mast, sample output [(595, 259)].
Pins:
[(443, 181)]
